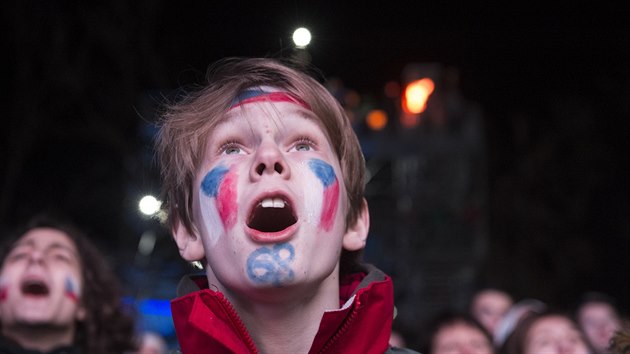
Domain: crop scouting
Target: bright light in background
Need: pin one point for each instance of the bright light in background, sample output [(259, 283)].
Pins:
[(417, 94), (147, 243), (376, 119), (149, 205), (301, 37)]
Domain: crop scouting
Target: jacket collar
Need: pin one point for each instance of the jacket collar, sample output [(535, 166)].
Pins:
[(204, 318)]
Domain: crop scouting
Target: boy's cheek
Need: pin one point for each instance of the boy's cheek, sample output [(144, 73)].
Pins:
[(326, 176), (226, 200), (72, 290), (4, 289), (220, 185)]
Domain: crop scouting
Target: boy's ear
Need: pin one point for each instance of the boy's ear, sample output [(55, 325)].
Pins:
[(189, 244), (356, 234)]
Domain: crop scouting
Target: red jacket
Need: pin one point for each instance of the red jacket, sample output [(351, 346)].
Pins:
[(206, 322)]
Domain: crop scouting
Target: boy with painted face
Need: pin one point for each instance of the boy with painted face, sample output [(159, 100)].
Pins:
[(263, 180), (57, 294)]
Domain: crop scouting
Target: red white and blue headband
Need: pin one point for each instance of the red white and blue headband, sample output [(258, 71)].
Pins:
[(266, 94)]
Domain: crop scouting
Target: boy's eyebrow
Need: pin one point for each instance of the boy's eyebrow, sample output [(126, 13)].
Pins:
[(308, 115), (60, 246)]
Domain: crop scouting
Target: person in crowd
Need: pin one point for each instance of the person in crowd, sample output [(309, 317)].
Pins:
[(152, 343), (58, 295), (457, 333), (512, 318), (489, 306), (263, 180), (397, 340), (597, 315), (547, 332)]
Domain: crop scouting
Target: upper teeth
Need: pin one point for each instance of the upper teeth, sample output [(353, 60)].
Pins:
[(272, 203)]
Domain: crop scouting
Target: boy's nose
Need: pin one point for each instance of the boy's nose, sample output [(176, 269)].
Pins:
[(36, 257), (269, 160)]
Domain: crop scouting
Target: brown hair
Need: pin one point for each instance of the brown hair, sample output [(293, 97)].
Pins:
[(107, 327), (620, 342), (185, 125)]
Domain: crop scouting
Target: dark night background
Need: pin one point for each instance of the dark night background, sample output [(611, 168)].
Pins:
[(537, 196)]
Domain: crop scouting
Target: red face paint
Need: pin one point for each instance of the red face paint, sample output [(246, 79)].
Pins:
[(266, 94), (226, 199), (326, 174), (71, 290), (329, 207), (4, 292)]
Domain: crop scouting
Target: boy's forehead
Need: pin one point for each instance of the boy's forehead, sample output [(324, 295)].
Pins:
[(45, 237), (282, 113)]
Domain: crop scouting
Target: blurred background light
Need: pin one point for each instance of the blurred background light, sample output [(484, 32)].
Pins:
[(377, 119), (149, 205), (417, 94), (301, 37)]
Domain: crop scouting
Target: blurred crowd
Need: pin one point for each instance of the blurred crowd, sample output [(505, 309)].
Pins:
[(494, 323), (58, 295)]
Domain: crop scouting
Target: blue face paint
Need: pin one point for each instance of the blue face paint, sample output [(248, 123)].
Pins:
[(326, 174), (270, 265), (247, 94), (212, 181), (71, 289), (323, 171)]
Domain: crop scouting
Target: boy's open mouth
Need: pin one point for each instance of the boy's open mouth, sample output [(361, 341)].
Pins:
[(271, 214), (34, 288)]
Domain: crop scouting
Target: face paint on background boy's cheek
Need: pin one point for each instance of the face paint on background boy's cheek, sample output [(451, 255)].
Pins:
[(72, 290), (271, 265), (4, 290), (326, 174), (220, 185)]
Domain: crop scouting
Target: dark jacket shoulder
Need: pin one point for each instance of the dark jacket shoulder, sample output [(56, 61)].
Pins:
[(10, 347)]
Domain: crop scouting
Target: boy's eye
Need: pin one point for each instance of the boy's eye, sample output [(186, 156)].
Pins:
[(231, 148), (304, 144), (15, 256), (61, 257), (302, 147)]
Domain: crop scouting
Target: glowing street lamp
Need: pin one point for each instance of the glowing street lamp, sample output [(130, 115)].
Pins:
[(417, 94), (301, 37), (149, 205), (376, 119)]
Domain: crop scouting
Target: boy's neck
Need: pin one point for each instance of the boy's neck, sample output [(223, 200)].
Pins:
[(43, 338), (290, 324)]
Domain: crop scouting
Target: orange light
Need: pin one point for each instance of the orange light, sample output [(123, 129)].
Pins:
[(376, 119), (416, 95)]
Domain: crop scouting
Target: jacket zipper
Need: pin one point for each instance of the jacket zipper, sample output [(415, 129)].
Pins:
[(238, 323), (344, 328)]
